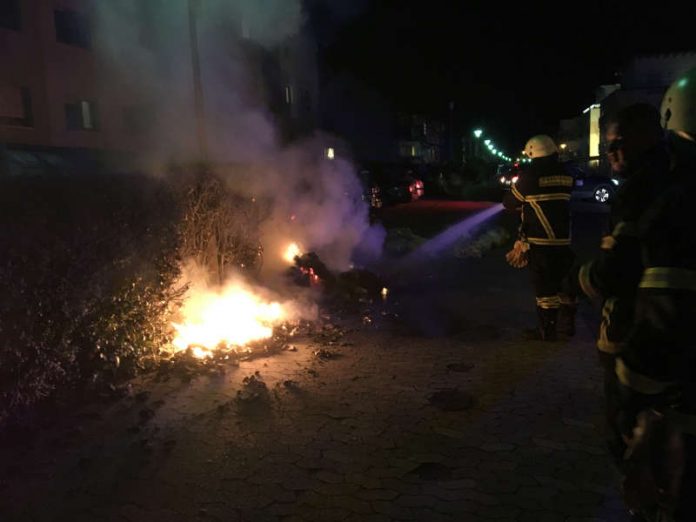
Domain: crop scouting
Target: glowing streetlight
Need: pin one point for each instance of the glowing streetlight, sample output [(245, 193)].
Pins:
[(487, 143), (478, 133)]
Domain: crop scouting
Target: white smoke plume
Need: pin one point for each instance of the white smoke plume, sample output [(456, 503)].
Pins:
[(145, 51)]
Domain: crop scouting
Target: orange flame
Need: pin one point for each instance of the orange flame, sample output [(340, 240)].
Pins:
[(292, 251), (232, 317)]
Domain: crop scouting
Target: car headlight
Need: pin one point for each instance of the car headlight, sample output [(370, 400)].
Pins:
[(514, 179), (502, 179), (615, 181)]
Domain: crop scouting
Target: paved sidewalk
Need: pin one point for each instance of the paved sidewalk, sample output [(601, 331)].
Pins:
[(384, 424)]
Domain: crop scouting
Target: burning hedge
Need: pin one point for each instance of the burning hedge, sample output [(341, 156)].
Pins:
[(91, 273)]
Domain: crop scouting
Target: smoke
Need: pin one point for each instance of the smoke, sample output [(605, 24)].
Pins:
[(256, 62)]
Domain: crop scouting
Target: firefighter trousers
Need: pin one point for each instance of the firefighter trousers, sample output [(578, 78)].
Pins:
[(548, 266)]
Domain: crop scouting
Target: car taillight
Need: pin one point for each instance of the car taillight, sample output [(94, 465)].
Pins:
[(515, 178)]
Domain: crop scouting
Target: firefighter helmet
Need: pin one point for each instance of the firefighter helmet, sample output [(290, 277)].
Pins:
[(540, 146), (679, 104)]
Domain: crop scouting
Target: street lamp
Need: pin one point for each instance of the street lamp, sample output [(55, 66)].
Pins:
[(487, 143), (478, 133)]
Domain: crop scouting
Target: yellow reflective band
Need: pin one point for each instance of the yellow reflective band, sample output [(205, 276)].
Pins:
[(669, 277), (603, 342), (608, 308), (604, 345), (639, 382), (560, 196), (625, 228), (542, 218), (584, 280), (542, 241), (517, 193), (548, 303), (559, 181)]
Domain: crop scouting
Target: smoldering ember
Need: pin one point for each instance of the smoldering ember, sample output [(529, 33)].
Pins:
[(260, 261)]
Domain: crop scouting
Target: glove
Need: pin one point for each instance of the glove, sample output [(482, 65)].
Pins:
[(518, 257)]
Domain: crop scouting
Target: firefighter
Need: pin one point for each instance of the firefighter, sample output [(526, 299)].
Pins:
[(656, 368), (542, 194), (636, 151)]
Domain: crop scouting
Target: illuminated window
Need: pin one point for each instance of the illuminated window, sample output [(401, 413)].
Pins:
[(81, 115), (330, 153), (413, 151), (288, 95)]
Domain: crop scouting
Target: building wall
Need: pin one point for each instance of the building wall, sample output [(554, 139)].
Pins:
[(21, 62), (57, 74)]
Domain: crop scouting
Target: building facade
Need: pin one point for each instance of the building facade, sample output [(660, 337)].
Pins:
[(80, 77)]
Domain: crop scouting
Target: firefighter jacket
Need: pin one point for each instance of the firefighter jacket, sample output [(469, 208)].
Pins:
[(614, 275), (659, 358), (543, 192)]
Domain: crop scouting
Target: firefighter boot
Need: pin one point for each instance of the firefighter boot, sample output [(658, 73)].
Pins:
[(546, 331), (566, 319), (549, 318)]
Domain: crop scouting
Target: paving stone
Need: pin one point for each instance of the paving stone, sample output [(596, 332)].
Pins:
[(588, 519), (364, 481), (541, 516), (457, 507), (329, 477), (352, 504), (499, 512), (498, 447), (326, 514), (550, 444), (403, 487), (373, 517), (413, 501), (459, 484), (282, 509), (392, 510), (333, 490), (577, 498), (377, 494)]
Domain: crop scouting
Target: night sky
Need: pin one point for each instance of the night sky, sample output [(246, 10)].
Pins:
[(514, 69)]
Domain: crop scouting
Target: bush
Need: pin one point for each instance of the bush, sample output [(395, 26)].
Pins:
[(220, 229), (90, 272)]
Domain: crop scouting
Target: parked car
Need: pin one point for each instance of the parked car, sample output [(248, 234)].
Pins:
[(593, 185), (509, 175), (389, 184)]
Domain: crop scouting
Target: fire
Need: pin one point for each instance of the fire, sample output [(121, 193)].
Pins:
[(232, 317), (291, 252)]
